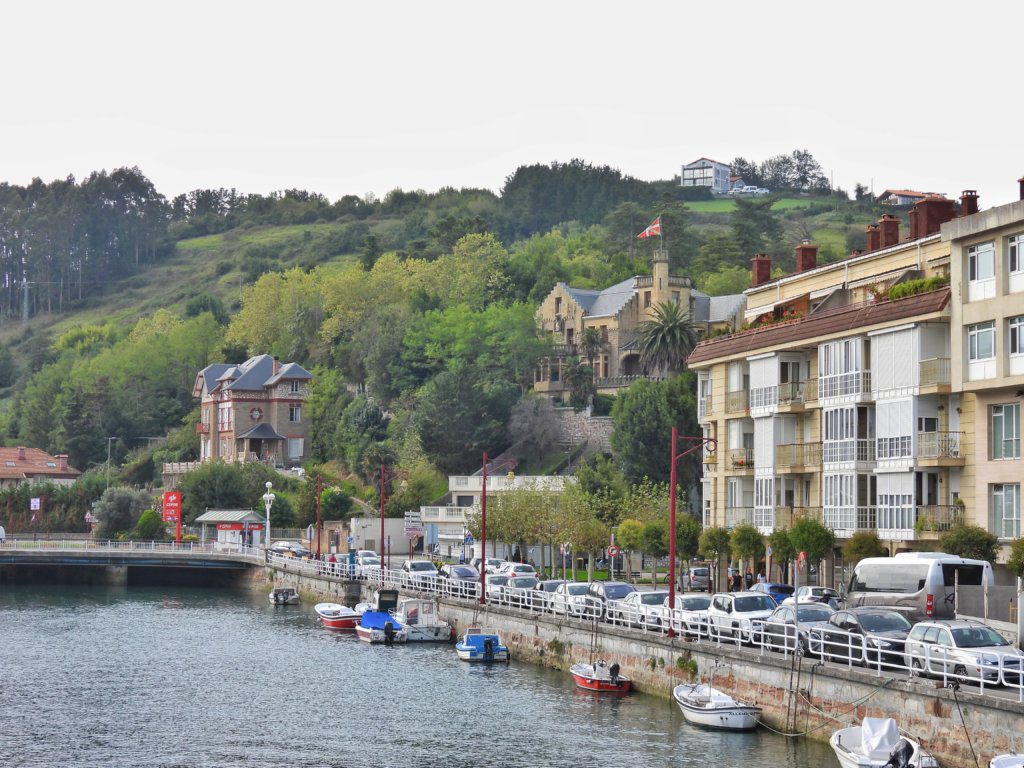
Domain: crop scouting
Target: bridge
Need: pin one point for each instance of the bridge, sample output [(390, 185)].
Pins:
[(111, 562)]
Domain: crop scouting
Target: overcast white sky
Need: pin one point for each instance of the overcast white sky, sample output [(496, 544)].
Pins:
[(347, 97)]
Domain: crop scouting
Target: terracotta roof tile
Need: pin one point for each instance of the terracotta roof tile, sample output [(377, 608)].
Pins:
[(819, 324), (35, 463)]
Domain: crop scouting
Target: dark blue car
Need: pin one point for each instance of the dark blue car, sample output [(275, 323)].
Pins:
[(775, 590)]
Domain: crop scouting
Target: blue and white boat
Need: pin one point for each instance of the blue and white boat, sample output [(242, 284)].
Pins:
[(479, 644), (377, 624)]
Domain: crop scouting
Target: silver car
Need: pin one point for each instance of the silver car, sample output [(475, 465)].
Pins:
[(968, 650)]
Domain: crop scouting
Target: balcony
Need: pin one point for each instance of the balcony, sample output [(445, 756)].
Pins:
[(738, 516), (845, 521), (939, 449), (797, 457), (705, 408), (936, 519), (736, 401), (840, 451), (564, 350), (740, 459), (794, 395), (934, 372), (764, 397), (444, 514), (845, 384), (203, 429), (618, 382), (786, 516)]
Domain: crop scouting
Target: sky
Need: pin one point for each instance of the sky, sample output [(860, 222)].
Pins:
[(359, 97)]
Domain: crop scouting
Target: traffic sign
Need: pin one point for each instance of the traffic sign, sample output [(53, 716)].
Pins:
[(769, 551), (801, 559), (613, 551)]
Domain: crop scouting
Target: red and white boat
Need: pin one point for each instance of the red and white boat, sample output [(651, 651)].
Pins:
[(336, 616), (598, 677)]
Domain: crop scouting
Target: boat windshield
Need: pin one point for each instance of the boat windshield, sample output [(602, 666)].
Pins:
[(977, 637), (884, 622), (754, 603)]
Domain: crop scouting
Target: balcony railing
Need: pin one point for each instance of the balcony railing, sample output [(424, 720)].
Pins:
[(848, 450), (612, 382), (739, 458), (938, 518), (705, 407), (798, 392), (843, 384), (563, 350), (738, 516), (939, 445), (934, 371), (786, 516), (798, 455), (850, 518), (736, 401), (450, 513)]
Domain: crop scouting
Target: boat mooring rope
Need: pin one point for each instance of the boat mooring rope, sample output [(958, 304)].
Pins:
[(836, 718), (954, 686)]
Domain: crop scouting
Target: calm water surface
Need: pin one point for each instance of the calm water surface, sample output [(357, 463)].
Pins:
[(182, 677)]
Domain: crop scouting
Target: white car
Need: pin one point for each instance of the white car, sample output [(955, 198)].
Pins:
[(491, 565), (366, 566), (420, 574), (518, 569), (570, 598), (739, 615), (805, 595), (366, 553), (968, 650), (691, 614), (642, 609), (495, 585)]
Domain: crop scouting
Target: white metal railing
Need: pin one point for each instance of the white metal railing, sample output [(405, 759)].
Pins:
[(859, 449), (764, 397), (170, 547)]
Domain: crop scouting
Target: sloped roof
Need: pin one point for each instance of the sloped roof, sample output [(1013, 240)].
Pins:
[(582, 296), (707, 159), (290, 371), (612, 299), (253, 373), (230, 516), (260, 432), (208, 377), (909, 193), (819, 324), (35, 463)]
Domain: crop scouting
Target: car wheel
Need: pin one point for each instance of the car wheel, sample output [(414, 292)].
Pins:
[(916, 669)]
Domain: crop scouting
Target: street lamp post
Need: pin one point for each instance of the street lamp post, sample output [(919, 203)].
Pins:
[(699, 442), (268, 502)]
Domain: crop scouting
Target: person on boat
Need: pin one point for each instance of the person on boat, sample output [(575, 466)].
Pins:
[(613, 673)]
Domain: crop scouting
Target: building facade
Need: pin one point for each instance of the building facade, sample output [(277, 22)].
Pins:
[(704, 172), (616, 313), (253, 412), (26, 466), (857, 402)]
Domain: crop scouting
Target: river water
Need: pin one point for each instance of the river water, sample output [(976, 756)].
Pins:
[(140, 676)]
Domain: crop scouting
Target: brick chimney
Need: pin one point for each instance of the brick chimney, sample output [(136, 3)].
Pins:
[(1020, 181), (915, 224), (855, 252), (806, 256), (21, 453), (933, 212), (277, 365), (761, 269), (62, 462), (968, 202), (874, 237), (890, 227)]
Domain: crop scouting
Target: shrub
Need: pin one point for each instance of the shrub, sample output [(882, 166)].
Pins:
[(914, 287), (970, 541), (863, 544), (1016, 561)]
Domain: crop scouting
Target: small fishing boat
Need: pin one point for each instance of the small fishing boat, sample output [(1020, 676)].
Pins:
[(1007, 761), (336, 616), (703, 705), (876, 743), (599, 677), (421, 623), (376, 624), (284, 596), (479, 644)]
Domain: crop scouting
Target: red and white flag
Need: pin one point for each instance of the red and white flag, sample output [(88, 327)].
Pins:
[(651, 231)]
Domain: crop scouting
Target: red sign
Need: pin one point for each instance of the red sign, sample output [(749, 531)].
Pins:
[(172, 506), (613, 551), (239, 526)]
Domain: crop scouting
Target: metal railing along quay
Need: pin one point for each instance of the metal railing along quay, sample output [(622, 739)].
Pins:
[(165, 547)]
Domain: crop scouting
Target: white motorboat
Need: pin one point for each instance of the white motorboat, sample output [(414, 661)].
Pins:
[(284, 596), (336, 616), (703, 705), (1007, 761), (874, 743), (421, 622)]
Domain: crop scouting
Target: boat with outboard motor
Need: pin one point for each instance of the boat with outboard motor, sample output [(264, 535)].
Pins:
[(479, 644), (283, 596), (419, 619), (876, 743), (336, 616), (376, 624), (600, 677), (703, 705)]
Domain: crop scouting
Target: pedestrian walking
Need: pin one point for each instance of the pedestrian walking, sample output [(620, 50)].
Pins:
[(748, 578), (761, 579)]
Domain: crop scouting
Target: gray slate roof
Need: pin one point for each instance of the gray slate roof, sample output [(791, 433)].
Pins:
[(260, 432), (603, 303), (254, 374), (229, 516), (715, 309)]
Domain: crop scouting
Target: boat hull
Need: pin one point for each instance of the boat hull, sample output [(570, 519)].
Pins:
[(376, 636), (438, 633), (602, 686), (850, 759), (335, 616), (468, 653), (731, 717), (346, 622)]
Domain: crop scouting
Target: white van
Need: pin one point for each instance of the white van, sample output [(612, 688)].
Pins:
[(918, 584)]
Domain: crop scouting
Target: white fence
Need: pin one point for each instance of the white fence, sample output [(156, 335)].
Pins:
[(89, 545)]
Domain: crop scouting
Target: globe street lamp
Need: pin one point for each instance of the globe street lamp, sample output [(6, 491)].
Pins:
[(268, 502)]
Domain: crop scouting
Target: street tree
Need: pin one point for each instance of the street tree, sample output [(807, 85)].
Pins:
[(655, 543), (970, 541), (747, 544), (714, 543), (783, 551), (863, 544)]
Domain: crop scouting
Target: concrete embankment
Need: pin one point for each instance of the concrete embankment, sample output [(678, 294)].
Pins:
[(797, 697)]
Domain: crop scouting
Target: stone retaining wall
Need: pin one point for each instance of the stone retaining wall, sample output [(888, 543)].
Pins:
[(579, 427)]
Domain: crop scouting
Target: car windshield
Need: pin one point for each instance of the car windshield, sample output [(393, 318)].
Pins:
[(420, 565), (576, 589), (653, 598), (883, 622), (523, 583), (780, 589), (497, 579), (464, 573), (550, 586), (695, 603), (755, 603), (977, 637), (814, 614), (617, 591), (371, 561), (699, 571)]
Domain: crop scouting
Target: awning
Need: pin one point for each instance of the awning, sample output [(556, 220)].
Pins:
[(230, 516), (260, 432)]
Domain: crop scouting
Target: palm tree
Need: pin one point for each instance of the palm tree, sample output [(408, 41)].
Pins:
[(590, 343), (666, 341)]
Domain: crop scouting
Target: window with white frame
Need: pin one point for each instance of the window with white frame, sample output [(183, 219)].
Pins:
[(1005, 423), (224, 416), (981, 271), (294, 387), (1017, 335), (1006, 510), (981, 341), (295, 413), (295, 447), (1015, 248)]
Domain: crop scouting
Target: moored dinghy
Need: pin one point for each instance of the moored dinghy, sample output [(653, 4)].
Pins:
[(481, 645), (876, 743), (336, 616), (284, 596), (703, 705), (600, 677)]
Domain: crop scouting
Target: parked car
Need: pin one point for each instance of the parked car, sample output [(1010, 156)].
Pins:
[(570, 599), (861, 634), (419, 573), (545, 589), (519, 591), (639, 608), (698, 578), (968, 650), (813, 595), (366, 553), (603, 591), (517, 569), (739, 615), (365, 566), (460, 579), (788, 621), (777, 591), (692, 614), (494, 585), (291, 548), (492, 565)]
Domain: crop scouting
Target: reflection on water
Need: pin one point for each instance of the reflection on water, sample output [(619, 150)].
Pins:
[(180, 677)]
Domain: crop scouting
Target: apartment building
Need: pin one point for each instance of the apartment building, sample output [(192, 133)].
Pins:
[(841, 401)]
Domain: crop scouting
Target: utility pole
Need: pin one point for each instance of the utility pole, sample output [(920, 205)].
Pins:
[(24, 301), (108, 460)]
